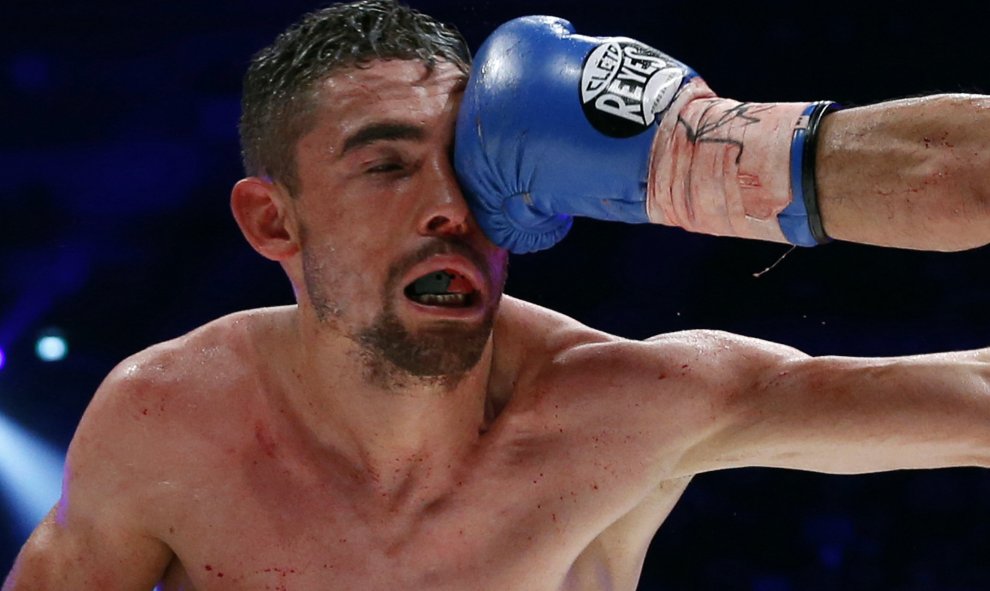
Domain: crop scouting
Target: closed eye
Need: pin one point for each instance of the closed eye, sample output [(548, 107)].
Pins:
[(384, 168)]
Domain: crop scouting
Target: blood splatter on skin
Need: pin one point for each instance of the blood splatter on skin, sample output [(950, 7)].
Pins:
[(942, 140), (283, 573), (264, 438)]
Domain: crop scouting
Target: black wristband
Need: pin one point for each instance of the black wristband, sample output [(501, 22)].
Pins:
[(808, 185)]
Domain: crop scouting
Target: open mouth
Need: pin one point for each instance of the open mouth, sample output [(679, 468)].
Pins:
[(444, 288)]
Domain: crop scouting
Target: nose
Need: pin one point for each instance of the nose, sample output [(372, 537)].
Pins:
[(445, 212)]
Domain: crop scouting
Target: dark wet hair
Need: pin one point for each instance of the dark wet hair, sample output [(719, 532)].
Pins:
[(281, 84)]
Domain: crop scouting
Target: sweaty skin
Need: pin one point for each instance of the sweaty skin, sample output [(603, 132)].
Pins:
[(912, 173), (237, 492), (275, 449)]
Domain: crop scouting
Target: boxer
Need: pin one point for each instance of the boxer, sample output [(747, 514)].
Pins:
[(405, 425)]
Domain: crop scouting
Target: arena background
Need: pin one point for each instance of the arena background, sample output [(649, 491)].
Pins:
[(118, 149)]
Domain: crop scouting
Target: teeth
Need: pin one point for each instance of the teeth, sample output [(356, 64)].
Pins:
[(446, 299)]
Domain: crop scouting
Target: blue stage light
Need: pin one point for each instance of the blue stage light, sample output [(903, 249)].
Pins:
[(30, 475)]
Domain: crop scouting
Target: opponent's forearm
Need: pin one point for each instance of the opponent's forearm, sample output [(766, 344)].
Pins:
[(913, 173)]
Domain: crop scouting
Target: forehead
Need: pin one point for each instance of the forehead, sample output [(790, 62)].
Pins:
[(388, 89)]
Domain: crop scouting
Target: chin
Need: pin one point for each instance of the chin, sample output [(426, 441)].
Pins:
[(439, 351)]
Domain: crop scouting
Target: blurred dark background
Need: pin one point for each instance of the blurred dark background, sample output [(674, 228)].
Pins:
[(118, 149)]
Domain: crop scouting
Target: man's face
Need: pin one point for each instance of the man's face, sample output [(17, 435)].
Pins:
[(392, 258)]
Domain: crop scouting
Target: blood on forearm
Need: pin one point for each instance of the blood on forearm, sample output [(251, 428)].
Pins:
[(913, 173)]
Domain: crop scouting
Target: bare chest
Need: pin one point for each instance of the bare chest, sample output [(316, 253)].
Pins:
[(262, 521), (443, 549), (273, 525)]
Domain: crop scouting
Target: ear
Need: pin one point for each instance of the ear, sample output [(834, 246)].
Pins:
[(260, 210)]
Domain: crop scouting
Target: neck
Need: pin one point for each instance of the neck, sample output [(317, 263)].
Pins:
[(391, 430)]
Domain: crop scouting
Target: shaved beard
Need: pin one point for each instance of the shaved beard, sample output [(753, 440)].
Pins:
[(393, 355)]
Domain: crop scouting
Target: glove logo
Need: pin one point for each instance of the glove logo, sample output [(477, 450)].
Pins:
[(625, 85)]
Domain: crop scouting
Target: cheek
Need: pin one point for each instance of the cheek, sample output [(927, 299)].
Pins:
[(353, 239), (341, 288), (367, 225), (335, 267)]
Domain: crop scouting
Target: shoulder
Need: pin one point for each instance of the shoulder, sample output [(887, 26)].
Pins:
[(171, 387), (556, 340), (559, 354), (213, 351), (541, 332), (719, 347), (559, 332), (527, 338)]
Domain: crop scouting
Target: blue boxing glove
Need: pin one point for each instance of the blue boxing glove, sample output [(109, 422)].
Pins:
[(555, 125)]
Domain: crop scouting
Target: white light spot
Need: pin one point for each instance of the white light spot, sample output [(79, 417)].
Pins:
[(51, 348)]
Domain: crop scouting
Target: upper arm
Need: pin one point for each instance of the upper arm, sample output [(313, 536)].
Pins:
[(847, 415), (83, 553), (95, 537), (699, 401)]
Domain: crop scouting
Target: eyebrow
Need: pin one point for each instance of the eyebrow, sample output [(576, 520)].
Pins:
[(382, 131)]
